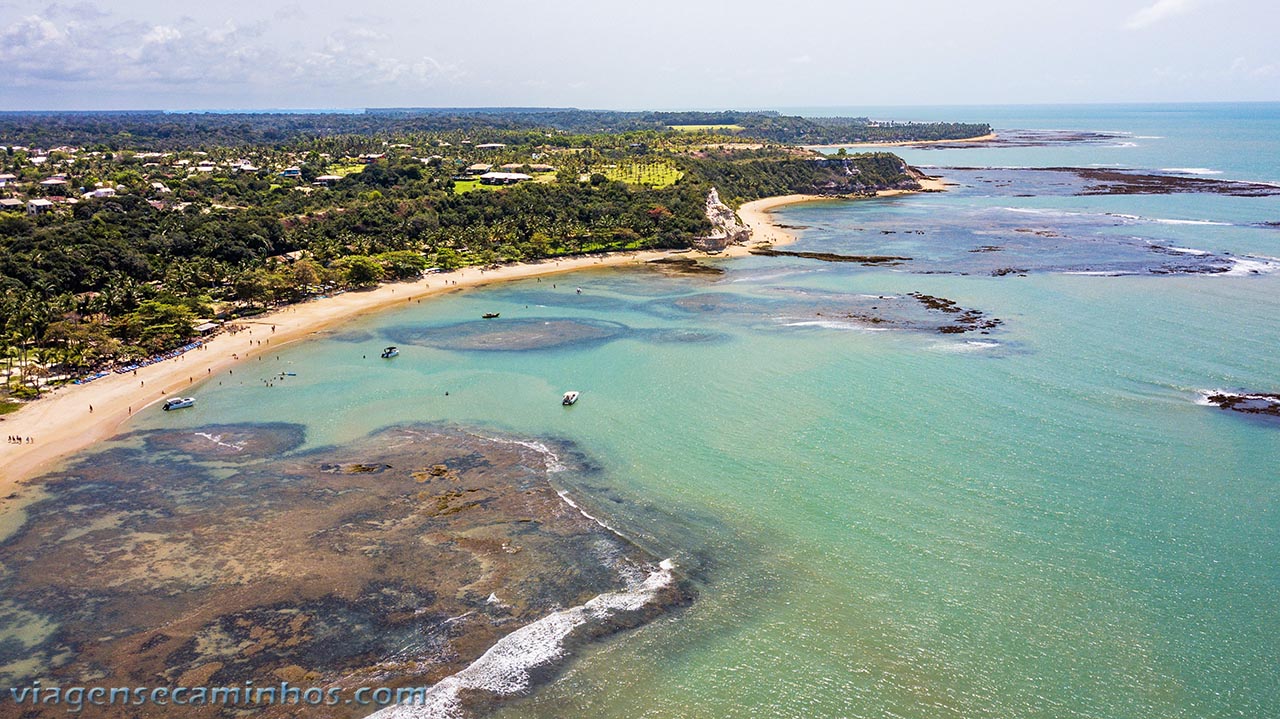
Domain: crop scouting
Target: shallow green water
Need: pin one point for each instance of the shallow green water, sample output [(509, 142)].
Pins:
[(1042, 522)]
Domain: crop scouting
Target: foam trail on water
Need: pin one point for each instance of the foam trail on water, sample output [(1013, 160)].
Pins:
[(505, 669), (834, 325), (217, 439), (567, 500), (1167, 221), (1242, 266), (551, 458), (1191, 170)]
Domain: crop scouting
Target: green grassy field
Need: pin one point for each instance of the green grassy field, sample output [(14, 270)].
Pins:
[(705, 128), (342, 170), (649, 174), (464, 186)]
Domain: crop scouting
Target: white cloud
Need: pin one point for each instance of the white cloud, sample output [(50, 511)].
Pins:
[(1242, 66), (1158, 11), (161, 34), (130, 58)]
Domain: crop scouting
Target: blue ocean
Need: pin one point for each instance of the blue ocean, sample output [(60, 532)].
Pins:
[(883, 511)]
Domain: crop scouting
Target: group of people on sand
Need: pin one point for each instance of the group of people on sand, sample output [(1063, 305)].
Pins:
[(15, 439)]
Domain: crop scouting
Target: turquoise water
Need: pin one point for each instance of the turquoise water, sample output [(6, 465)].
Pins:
[(1041, 522)]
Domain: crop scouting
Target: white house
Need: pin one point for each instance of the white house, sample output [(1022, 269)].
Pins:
[(503, 178)]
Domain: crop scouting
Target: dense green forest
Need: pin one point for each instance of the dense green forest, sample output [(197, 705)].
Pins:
[(111, 250), (159, 130)]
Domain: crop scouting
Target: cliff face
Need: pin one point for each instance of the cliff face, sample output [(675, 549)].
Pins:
[(860, 174), (728, 230)]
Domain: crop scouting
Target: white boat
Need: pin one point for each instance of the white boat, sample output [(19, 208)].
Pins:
[(178, 403), (569, 398), (390, 352)]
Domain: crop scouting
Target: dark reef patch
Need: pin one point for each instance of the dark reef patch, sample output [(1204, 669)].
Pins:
[(1033, 138), (683, 266), (1132, 182), (394, 560), (794, 308), (686, 336), (867, 260), (1261, 404), (351, 336), (1086, 181), (513, 335), (228, 442), (986, 239)]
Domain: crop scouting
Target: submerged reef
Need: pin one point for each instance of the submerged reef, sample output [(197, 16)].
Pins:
[(396, 560), (502, 335), (801, 309)]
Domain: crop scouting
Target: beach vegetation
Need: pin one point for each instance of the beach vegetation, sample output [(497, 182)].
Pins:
[(226, 211)]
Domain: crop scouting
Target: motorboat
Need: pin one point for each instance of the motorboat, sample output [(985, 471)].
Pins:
[(178, 403), (569, 398), (390, 352), (490, 315)]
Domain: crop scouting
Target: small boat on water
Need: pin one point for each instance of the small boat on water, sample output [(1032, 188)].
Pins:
[(490, 315), (178, 403), (569, 398), (390, 352)]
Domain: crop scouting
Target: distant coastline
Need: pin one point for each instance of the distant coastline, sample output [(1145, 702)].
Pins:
[(906, 143)]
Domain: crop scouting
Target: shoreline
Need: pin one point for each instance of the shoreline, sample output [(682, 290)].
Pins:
[(61, 423), (906, 143)]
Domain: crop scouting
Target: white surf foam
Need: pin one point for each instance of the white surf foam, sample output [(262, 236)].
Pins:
[(505, 669), (1242, 266), (217, 439), (1166, 220), (966, 346), (551, 459), (569, 501), (1202, 396), (835, 325), (1191, 170)]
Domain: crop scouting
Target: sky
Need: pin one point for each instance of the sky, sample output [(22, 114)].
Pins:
[(643, 54)]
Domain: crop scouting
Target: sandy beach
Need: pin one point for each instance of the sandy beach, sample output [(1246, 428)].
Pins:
[(61, 423)]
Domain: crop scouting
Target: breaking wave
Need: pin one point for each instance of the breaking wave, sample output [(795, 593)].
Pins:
[(1191, 170), (507, 667)]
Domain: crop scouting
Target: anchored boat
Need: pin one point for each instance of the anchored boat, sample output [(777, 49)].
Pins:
[(390, 352), (178, 403), (569, 398), (490, 315)]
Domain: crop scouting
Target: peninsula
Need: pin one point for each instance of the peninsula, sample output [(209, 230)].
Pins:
[(118, 251)]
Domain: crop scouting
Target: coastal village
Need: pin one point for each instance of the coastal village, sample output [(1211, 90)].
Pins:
[(222, 234)]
